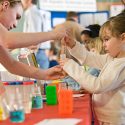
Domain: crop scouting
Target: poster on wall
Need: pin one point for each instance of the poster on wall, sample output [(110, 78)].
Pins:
[(57, 21), (93, 18), (116, 9), (68, 5)]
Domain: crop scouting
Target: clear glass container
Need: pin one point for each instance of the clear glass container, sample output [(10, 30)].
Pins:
[(37, 101), (16, 107)]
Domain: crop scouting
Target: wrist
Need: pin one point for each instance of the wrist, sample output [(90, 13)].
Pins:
[(45, 74), (52, 35), (74, 43)]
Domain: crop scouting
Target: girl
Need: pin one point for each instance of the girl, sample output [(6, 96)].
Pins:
[(10, 13), (109, 87)]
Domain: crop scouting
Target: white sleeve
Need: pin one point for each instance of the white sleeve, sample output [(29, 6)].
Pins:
[(89, 58), (108, 79)]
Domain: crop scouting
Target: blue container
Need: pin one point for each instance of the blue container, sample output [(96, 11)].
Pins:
[(17, 116)]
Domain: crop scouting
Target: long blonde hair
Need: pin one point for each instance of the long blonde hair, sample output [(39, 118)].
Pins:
[(97, 45)]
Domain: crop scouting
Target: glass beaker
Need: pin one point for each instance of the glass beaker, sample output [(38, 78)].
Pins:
[(16, 107), (37, 101)]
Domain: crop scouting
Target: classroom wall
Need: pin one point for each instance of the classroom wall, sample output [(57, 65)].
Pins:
[(105, 4)]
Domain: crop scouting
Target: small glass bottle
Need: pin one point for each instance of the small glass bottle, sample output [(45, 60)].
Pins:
[(37, 101)]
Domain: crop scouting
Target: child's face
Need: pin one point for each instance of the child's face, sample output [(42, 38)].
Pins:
[(85, 38), (112, 45)]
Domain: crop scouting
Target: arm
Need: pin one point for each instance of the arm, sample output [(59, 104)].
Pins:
[(103, 83), (89, 58), (79, 51), (14, 40), (21, 69)]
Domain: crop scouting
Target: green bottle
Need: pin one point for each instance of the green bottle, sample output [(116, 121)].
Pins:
[(51, 95)]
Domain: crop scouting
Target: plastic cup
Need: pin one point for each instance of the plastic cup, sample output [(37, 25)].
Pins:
[(27, 95)]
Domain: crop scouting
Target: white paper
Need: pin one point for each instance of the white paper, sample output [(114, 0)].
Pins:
[(69, 5), (67, 121), (78, 95)]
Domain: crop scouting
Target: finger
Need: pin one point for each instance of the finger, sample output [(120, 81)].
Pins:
[(61, 63), (63, 41), (59, 76), (58, 69)]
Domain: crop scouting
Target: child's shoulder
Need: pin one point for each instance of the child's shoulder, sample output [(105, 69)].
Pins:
[(118, 62)]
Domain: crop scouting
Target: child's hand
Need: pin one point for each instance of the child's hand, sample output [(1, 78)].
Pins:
[(63, 61), (69, 41), (60, 32)]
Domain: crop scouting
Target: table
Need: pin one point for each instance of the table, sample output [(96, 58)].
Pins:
[(81, 110)]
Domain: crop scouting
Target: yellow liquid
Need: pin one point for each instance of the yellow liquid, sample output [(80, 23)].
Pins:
[(1, 113)]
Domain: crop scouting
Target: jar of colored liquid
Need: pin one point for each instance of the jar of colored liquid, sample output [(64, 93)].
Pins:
[(37, 101), (17, 116), (16, 112)]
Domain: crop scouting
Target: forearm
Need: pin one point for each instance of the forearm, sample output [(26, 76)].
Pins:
[(22, 69), (103, 83), (89, 58), (19, 68), (14, 40), (79, 52)]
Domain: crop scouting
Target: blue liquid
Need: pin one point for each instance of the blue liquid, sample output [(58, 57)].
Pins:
[(37, 102), (17, 116)]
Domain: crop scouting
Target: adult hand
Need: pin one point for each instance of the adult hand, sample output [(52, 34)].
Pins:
[(54, 73), (60, 31)]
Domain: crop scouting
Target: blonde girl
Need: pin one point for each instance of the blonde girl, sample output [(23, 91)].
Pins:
[(109, 87), (96, 45)]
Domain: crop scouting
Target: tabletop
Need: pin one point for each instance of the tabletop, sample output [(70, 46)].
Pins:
[(81, 110)]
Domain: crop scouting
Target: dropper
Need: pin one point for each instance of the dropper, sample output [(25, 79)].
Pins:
[(63, 53), (63, 50)]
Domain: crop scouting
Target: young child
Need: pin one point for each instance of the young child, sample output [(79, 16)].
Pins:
[(53, 55), (109, 87), (96, 46), (86, 35)]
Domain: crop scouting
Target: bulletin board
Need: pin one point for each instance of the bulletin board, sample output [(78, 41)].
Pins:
[(85, 18), (68, 5), (88, 18)]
